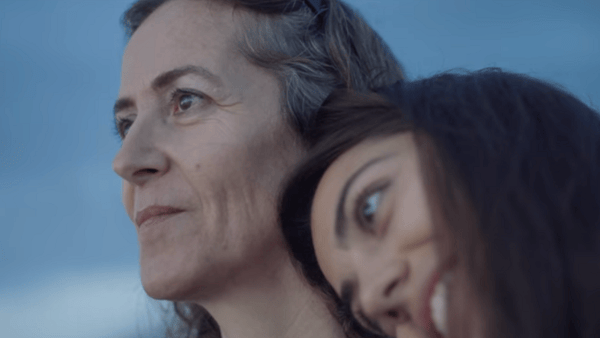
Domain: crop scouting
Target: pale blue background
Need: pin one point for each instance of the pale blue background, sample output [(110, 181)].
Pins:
[(68, 252)]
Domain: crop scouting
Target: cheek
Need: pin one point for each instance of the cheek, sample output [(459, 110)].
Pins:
[(269, 157), (320, 236), (334, 264), (325, 257), (332, 269), (411, 222), (128, 198)]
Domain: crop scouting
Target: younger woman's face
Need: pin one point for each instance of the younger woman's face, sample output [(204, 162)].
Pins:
[(374, 239)]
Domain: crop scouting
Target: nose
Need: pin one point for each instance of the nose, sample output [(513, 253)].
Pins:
[(380, 293), (140, 160)]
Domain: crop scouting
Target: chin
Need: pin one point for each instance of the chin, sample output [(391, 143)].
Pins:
[(162, 287), (169, 284)]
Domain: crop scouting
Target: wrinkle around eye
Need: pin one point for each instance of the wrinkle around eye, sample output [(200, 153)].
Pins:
[(197, 98), (191, 99)]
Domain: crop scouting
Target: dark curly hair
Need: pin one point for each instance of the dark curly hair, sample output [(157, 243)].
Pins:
[(514, 165)]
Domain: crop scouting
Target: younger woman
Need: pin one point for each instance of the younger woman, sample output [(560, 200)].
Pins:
[(467, 207)]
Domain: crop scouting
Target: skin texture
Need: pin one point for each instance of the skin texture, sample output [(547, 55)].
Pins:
[(219, 154), (220, 160), (390, 257)]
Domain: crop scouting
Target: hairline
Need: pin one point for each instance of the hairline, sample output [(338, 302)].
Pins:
[(238, 45)]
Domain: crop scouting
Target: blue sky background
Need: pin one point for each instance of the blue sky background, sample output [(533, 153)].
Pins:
[(68, 252)]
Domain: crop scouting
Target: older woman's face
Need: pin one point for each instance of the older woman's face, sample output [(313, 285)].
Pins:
[(374, 239), (204, 151)]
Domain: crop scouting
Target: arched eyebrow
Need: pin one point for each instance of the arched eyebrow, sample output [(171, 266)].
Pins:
[(123, 104), (169, 77), (341, 228)]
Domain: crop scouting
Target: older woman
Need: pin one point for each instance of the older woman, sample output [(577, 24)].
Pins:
[(470, 209), (214, 103)]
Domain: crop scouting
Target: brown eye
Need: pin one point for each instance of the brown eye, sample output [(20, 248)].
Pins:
[(367, 205), (186, 101), (122, 126)]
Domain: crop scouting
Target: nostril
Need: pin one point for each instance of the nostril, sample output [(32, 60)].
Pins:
[(399, 315), (147, 171)]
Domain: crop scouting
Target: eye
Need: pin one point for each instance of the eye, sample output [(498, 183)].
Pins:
[(184, 100), (122, 127), (368, 204)]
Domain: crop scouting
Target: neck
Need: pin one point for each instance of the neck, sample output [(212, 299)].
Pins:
[(275, 302)]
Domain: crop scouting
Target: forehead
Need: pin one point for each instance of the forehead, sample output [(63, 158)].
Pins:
[(182, 32), (327, 195)]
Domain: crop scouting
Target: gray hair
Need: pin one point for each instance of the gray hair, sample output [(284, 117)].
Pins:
[(310, 59)]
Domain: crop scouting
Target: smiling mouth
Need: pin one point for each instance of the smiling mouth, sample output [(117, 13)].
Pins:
[(155, 213), (438, 304)]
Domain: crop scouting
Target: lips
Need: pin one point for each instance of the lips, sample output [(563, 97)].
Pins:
[(155, 212), (434, 307), (425, 318), (439, 304)]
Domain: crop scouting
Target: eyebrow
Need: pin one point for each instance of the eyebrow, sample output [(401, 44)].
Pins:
[(347, 293), (340, 220), (169, 77)]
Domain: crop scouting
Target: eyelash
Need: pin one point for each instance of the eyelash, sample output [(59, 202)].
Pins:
[(357, 315), (178, 93), (365, 322), (119, 127), (378, 187), (175, 95)]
